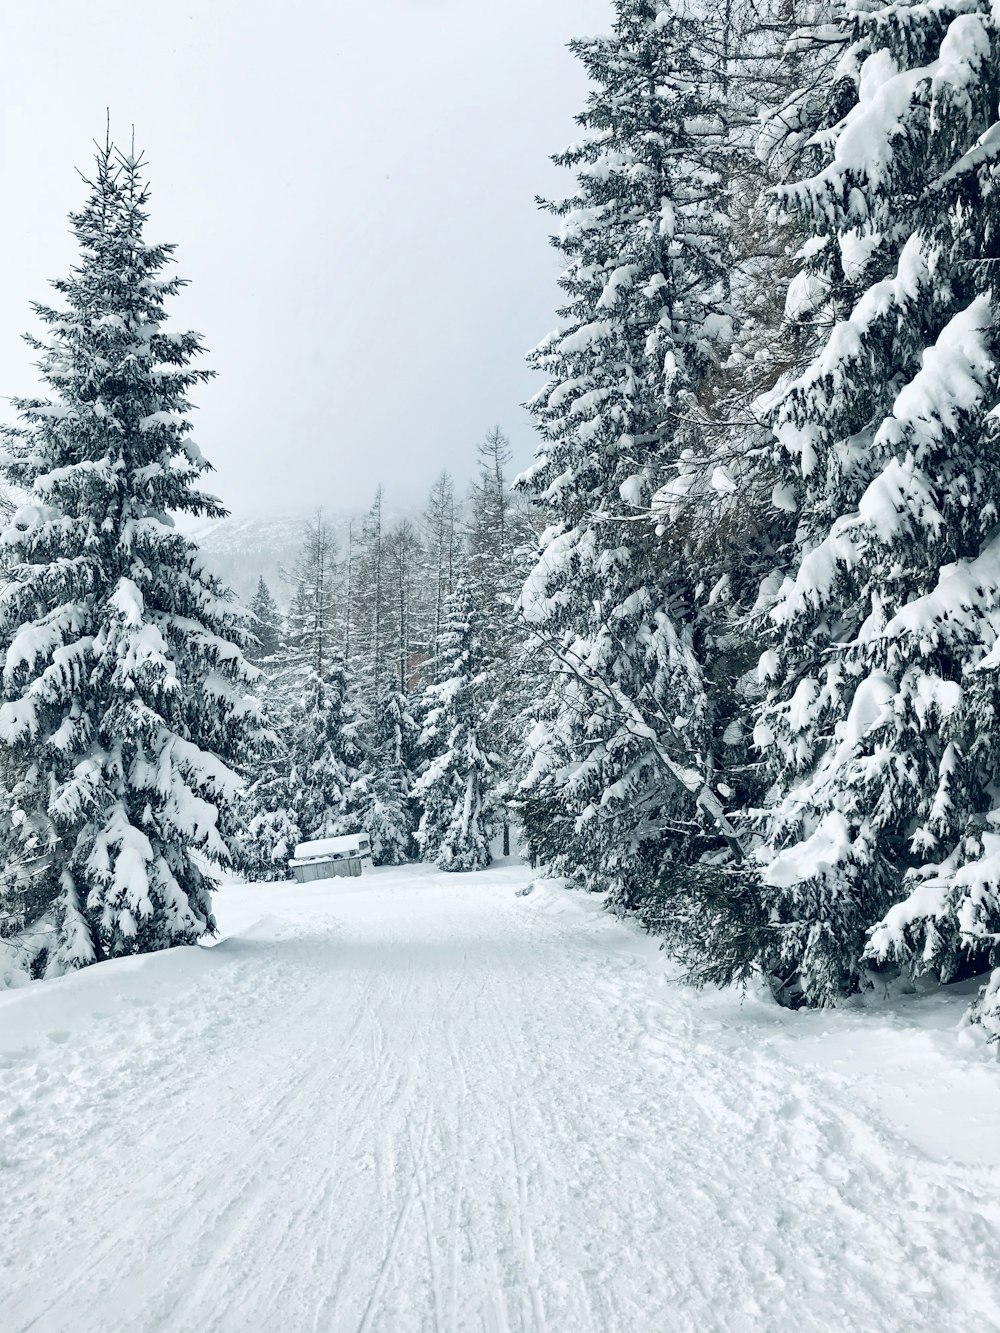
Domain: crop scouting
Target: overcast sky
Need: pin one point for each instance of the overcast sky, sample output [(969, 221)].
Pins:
[(350, 184)]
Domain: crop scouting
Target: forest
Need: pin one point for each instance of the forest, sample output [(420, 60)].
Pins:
[(540, 873), (726, 652)]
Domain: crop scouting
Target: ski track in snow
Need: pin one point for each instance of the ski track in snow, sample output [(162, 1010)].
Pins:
[(418, 1102)]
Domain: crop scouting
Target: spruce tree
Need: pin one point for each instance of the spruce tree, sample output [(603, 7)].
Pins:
[(493, 527), (371, 604), (618, 759), (323, 725), (388, 598), (311, 624), (879, 725), (457, 788), (126, 708), (497, 520), (311, 780), (386, 805), (313, 783), (442, 546), (772, 90), (326, 752), (266, 624), (270, 829)]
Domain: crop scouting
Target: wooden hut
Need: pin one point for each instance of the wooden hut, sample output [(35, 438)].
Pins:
[(326, 858)]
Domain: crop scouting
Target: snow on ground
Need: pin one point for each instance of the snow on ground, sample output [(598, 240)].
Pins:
[(418, 1101)]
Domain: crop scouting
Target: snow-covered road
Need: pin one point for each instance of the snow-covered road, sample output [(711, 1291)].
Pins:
[(419, 1101)]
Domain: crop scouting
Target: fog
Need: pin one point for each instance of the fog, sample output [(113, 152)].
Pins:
[(351, 189)]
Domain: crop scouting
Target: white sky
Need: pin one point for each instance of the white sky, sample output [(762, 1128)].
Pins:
[(350, 184)]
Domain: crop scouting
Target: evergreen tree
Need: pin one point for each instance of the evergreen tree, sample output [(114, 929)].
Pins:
[(771, 88), (271, 830), (126, 708), (313, 783), (457, 788), (391, 741), (404, 562), (312, 630), (371, 602), (387, 811), (491, 525), (618, 761), (442, 545), (267, 624), (879, 725), (327, 754), (322, 714), (269, 827), (499, 526)]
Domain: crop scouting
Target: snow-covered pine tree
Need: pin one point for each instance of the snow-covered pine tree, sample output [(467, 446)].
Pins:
[(491, 524), (499, 531), (267, 624), (457, 788), (391, 742), (269, 826), (620, 753), (126, 710), (313, 784), (386, 810), (385, 618), (371, 605), (880, 722), (271, 829), (311, 624), (328, 796), (442, 546), (311, 781), (773, 77), (386, 595)]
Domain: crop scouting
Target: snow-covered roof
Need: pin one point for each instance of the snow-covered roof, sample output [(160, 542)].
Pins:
[(319, 847)]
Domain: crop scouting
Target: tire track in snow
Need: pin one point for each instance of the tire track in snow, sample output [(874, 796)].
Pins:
[(251, 1209), (525, 1226), (368, 1317), (377, 1093), (420, 1178), (118, 1241), (522, 1216), (381, 1089)]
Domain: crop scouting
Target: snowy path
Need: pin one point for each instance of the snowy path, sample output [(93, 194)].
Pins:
[(420, 1102)]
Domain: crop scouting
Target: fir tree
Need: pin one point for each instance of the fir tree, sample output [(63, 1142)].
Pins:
[(442, 545), (271, 829), (879, 725), (771, 88), (326, 752), (267, 624), (371, 602), (618, 759), (390, 755), (386, 808), (126, 707), (457, 788), (500, 529), (311, 623), (313, 783), (491, 526)]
